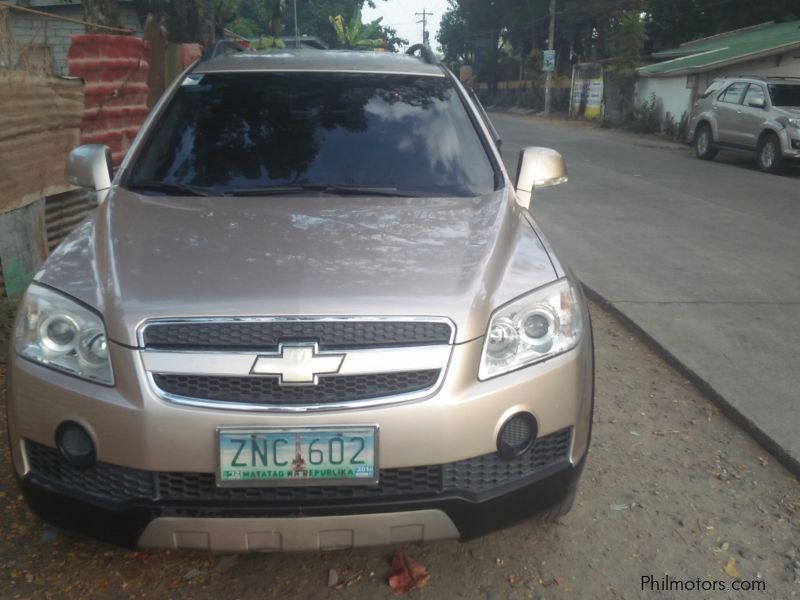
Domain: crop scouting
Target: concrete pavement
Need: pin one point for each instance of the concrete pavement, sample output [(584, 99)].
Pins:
[(702, 257)]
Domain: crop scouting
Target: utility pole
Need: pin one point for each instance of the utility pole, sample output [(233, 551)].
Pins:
[(296, 37), (551, 42), (424, 14)]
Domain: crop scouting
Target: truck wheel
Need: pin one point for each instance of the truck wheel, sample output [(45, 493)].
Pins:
[(768, 154), (703, 143)]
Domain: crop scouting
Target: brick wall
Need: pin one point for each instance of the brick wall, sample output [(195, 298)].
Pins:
[(29, 30)]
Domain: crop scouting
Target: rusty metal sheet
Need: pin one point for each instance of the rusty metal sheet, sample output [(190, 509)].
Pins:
[(64, 212), (115, 69), (40, 117)]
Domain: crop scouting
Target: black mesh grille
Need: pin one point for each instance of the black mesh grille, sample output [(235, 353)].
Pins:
[(491, 470), (393, 482), (102, 480), (473, 475), (518, 432), (266, 390), (266, 335)]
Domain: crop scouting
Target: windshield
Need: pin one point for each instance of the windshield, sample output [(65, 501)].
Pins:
[(785, 95), (229, 133)]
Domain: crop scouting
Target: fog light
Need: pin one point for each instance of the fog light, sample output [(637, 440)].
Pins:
[(75, 445), (517, 435)]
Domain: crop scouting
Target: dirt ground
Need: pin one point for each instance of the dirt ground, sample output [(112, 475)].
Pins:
[(671, 488)]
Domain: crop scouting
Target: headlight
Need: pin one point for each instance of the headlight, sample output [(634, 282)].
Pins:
[(794, 123), (58, 332), (540, 325)]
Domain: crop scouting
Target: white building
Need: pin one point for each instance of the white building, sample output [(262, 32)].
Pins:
[(768, 49)]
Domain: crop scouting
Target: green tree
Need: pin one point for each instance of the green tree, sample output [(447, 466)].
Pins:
[(274, 18), (353, 34), (356, 35), (454, 37)]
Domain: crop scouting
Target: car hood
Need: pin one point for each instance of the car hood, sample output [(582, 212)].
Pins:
[(140, 257), (792, 113)]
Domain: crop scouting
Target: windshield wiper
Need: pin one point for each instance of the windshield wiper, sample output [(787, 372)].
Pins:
[(182, 189), (343, 190)]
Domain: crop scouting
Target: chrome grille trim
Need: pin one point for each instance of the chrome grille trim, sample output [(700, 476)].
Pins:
[(233, 364), (237, 363)]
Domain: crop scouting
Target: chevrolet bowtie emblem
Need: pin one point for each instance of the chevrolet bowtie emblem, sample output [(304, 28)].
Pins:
[(297, 364)]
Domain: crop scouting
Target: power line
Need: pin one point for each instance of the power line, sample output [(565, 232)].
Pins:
[(424, 14)]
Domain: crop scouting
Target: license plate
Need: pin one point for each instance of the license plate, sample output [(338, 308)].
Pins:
[(292, 457)]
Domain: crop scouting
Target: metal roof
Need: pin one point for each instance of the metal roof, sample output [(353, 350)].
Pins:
[(290, 59), (726, 49)]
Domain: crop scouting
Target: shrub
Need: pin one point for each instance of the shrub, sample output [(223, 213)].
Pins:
[(647, 115)]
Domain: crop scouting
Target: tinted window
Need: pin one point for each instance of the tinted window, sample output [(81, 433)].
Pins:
[(754, 92), (733, 94), (712, 87), (252, 130), (785, 95)]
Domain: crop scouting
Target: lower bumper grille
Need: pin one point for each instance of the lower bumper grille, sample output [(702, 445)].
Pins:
[(103, 480), (464, 477), (266, 390)]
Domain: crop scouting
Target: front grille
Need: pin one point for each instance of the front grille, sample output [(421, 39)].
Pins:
[(266, 335), (465, 477), (267, 390)]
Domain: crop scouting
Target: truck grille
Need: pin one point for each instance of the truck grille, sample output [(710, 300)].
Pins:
[(468, 477), (266, 390), (265, 335)]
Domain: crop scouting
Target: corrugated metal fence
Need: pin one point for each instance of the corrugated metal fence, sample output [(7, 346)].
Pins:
[(64, 212)]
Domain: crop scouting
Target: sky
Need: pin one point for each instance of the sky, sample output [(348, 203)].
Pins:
[(400, 15)]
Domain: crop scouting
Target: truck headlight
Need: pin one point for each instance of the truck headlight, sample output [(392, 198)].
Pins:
[(543, 324), (56, 331), (794, 123)]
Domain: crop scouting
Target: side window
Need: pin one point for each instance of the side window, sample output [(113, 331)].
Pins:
[(712, 87), (733, 93), (754, 92)]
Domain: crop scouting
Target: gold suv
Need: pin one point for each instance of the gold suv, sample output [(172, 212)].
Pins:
[(310, 311)]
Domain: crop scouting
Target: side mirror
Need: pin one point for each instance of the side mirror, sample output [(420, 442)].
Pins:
[(538, 168), (757, 103), (89, 166)]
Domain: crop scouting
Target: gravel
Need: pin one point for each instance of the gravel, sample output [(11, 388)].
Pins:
[(684, 496)]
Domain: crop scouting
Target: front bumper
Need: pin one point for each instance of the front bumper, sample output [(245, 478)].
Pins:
[(790, 143), (135, 431), (341, 524)]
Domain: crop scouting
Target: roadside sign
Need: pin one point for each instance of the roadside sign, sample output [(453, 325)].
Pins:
[(549, 62)]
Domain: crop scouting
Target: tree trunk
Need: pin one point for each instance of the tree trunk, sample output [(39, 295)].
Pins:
[(276, 19), (187, 21), (493, 60), (101, 12)]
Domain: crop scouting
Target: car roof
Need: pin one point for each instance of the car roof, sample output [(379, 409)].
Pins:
[(760, 78), (310, 60)]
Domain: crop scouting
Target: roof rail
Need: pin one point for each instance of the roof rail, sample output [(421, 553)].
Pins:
[(425, 53), (221, 47)]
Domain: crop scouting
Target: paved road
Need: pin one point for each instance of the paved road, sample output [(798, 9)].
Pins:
[(703, 257)]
